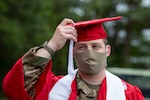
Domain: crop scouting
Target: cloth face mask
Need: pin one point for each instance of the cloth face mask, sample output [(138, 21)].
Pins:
[(90, 62)]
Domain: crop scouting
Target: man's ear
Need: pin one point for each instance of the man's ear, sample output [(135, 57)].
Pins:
[(108, 50)]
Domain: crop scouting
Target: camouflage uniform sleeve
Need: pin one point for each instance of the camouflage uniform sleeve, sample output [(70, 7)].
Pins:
[(33, 67)]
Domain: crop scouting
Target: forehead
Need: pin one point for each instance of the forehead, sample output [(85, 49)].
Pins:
[(97, 41)]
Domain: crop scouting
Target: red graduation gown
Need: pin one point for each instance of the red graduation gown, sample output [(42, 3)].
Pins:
[(13, 85)]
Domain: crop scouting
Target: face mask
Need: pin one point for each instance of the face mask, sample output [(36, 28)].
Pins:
[(90, 62)]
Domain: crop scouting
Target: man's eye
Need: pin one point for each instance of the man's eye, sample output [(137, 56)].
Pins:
[(81, 47), (96, 47)]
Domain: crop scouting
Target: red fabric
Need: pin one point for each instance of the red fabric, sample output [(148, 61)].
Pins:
[(13, 86), (92, 29), (95, 21), (91, 32), (45, 83)]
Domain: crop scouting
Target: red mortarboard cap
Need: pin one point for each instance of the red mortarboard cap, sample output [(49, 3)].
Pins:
[(92, 29)]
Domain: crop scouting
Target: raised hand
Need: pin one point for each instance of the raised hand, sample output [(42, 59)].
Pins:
[(64, 31)]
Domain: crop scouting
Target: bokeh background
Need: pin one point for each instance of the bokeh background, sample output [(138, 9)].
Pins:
[(27, 23)]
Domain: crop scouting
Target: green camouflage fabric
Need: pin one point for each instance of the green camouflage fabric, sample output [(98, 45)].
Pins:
[(86, 91), (33, 67)]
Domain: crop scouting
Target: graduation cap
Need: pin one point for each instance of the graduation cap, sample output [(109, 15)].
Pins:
[(88, 30), (92, 29)]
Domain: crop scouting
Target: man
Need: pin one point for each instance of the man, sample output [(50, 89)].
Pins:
[(31, 77)]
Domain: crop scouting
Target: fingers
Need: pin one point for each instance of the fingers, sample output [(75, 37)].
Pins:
[(63, 33), (70, 30), (67, 32), (66, 21)]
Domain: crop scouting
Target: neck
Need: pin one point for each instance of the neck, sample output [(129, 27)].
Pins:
[(93, 79)]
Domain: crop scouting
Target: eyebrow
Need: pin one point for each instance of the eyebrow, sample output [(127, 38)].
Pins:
[(96, 43), (80, 44), (90, 43)]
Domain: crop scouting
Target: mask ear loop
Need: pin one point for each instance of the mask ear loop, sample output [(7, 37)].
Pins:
[(70, 57)]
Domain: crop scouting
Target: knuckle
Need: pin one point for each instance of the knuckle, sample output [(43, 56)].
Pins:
[(59, 28), (65, 18), (68, 20)]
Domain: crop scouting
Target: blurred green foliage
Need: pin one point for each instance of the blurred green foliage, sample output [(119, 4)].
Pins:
[(27, 23)]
